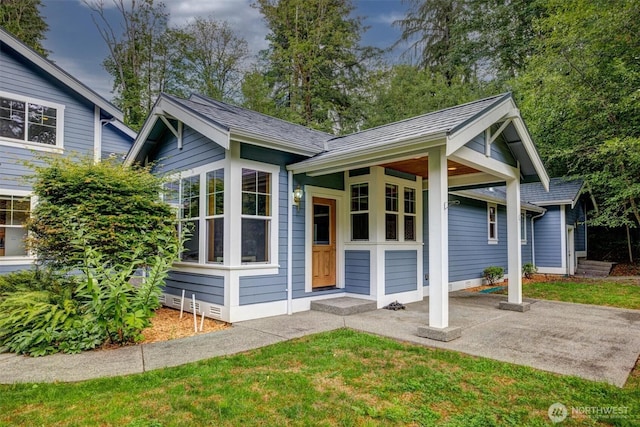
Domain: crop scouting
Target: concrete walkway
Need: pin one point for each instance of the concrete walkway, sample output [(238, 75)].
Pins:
[(592, 342)]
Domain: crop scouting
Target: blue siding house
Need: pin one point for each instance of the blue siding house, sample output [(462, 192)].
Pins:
[(44, 112), (281, 215)]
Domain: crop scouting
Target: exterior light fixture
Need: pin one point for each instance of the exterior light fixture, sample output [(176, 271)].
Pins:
[(297, 196)]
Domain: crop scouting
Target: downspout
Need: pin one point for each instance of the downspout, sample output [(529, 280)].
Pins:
[(289, 244), (533, 239)]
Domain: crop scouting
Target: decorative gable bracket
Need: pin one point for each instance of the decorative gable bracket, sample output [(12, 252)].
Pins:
[(176, 132)]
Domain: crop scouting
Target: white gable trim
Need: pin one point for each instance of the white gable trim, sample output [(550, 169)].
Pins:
[(164, 108)]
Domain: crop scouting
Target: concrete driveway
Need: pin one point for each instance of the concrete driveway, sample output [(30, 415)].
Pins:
[(593, 342)]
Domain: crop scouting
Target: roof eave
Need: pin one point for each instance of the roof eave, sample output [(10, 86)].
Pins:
[(61, 75), (269, 142), (497, 200)]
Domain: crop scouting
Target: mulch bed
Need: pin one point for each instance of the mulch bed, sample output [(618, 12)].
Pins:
[(167, 325)]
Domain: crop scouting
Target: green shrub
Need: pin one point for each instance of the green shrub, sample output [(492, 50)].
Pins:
[(493, 273), (528, 270)]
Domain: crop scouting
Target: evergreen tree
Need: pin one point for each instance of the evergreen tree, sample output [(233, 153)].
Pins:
[(22, 18)]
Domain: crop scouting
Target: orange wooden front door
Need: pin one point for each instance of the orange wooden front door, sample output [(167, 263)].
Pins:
[(324, 243)]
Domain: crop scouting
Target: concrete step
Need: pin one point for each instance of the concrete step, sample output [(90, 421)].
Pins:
[(596, 264), (588, 272), (344, 306)]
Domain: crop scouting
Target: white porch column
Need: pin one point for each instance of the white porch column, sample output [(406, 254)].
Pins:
[(438, 328), (514, 262)]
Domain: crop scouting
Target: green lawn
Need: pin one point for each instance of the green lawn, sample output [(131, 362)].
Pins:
[(340, 378), (598, 292)]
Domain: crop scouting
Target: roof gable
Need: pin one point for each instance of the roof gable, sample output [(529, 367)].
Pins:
[(6, 39)]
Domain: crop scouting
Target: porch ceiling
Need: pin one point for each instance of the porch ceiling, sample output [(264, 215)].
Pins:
[(419, 167)]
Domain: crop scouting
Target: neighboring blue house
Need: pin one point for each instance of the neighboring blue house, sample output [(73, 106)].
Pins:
[(281, 215), (44, 111)]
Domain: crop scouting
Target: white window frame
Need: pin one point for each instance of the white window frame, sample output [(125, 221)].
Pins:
[(29, 257), (402, 185), (523, 227), (492, 240), (58, 147), (367, 211), (398, 213), (270, 218), (406, 214), (202, 216)]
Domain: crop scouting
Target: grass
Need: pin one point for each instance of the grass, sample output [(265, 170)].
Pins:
[(597, 292), (342, 378)]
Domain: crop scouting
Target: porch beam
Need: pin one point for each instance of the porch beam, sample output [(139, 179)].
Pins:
[(491, 166), (438, 328)]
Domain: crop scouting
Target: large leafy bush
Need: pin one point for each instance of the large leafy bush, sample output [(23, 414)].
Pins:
[(96, 226)]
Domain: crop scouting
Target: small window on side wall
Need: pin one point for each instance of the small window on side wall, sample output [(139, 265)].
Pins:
[(492, 222)]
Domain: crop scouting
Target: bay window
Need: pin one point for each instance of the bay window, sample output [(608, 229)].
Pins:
[(14, 212), (409, 214), (391, 212), (360, 211)]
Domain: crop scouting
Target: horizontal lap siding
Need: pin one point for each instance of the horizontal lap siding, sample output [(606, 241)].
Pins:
[(21, 78), (357, 272), (114, 142), (4, 269), (499, 149), (206, 288), (469, 250), (269, 288), (197, 150), (400, 271), (547, 237)]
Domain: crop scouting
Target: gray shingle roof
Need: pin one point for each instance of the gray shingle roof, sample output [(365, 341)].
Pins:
[(436, 122), (247, 121), (561, 191), (499, 194)]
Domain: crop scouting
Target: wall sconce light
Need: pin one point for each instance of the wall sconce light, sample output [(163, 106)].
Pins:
[(297, 196)]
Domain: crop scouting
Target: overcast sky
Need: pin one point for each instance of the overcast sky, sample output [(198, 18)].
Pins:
[(76, 46)]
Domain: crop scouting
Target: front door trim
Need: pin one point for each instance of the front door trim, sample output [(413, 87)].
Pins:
[(326, 193)]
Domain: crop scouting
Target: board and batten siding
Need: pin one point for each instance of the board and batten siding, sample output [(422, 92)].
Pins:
[(400, 271), (206, 288), (197, 150), (547, 237), (357, 272), (272, 287)]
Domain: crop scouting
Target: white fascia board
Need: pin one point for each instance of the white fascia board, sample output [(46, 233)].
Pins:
[(479, 161), (272, 143), (61, 75), (124, 128), (530, 148), (554, 203), (368, 156), (496, 200), (461, 137)]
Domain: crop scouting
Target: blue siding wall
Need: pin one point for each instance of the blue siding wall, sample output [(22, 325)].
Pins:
[(400, 271), (198, 150), (357, 274), (20, 77), (268, 288), (527, 248), (206, 288), (547, 234), (114, 141), (576, 217), (469, 250)]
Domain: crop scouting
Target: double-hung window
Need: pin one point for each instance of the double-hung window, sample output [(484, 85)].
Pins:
[(391, 212), (14, 211), (256, 216), (492, 222), (29, 122), (360, 212), (410, 214), (201, 225)]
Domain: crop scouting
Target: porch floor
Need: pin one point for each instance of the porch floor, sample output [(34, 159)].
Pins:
[(344, 306)]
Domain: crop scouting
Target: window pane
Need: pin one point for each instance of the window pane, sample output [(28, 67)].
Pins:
[(12, 118), (359, 197), (263, 205), (215, 192), (172, 192), (42, 134), (255, 240), (191, 251), (391, 227), (409, 200), (391, 197), (249, 182), (12, 241), (360, 226), (215, 240), (321, 224), (410, 228), (248, 204), (263, 182), (191, 197)]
